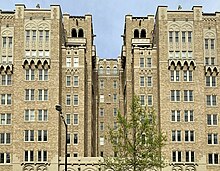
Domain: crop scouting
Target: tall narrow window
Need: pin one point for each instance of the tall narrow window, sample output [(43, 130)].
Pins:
[(27, 35), (212, 43), (189, 36), (171, 36), (206, 43), (34, 35), (183, 36), (75, 62), (176, 36)]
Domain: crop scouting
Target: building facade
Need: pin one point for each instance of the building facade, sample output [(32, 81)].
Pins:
[(169, 60)]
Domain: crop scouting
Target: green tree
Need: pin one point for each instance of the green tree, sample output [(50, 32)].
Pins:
[(137, 141)]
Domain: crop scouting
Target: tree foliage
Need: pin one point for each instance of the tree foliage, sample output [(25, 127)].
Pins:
[(137, 141)]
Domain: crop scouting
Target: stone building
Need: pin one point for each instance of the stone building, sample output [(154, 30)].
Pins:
[(169, 60)]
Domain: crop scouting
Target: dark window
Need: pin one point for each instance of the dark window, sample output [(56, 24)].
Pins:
[(136, 33), (80, 34), (143, 33), (74, 34)]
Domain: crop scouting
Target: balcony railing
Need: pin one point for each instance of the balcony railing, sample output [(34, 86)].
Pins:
[(73, 41), (107, 72), (145, 41)]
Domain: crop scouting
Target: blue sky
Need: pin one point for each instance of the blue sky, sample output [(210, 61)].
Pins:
[(108, 15)]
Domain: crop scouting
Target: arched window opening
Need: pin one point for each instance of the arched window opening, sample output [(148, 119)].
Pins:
[(143, 33), (108, 70), (115, 70), (100, 70), (81, 34), (136, 33), (74, 33)]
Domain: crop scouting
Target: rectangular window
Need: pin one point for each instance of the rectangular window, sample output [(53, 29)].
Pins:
[(177, 54), (68, 61), (42, 156), (10, 42), (29, 156), (68, 119), (171, 54), (42, 115), (211, 100), (190, 156), (6, 79), (149, 81), (75, 119), (212, 60), (29, 74), (142, 100), (41, 35), (189, 136), (75, 138), (174, 75), (68, 81), (28, 135), (75, 81), (47, 35), (4, 42), (102, 98), (68, 100), (188, 115), (42, 95), (171, 36), (141, 62), (176, 136), (213, 158), (188, 95), (5, 138), (149, 62), (212, 119), (29, 115), (212, 138), (43, 74), (212, 43), (75, 100), (27, 33), (101, 112), (29, 94), (206, 60), (34, 35), (40, 53), (175, 115), (206, 43), (176, 36), (149, 100), (6, 99), (187, 76), (5, 119), (211, 81), (42, 135), (5, 158), (176, 156), (142, 81), (190, 36), (175, 95), (183, 36), (183, 55), (75, 62)]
